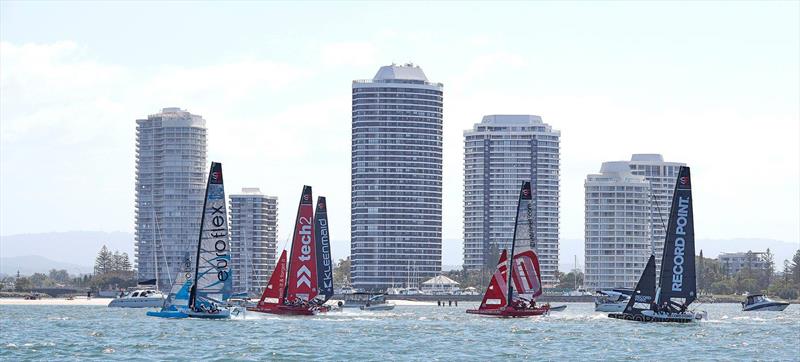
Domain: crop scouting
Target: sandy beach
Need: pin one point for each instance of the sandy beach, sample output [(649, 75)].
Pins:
[(56, 301), (410, 302)]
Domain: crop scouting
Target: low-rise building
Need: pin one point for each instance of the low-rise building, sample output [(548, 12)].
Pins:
[(439, 284), (732, 263)]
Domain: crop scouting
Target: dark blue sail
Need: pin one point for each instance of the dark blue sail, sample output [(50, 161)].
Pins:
[(678, 280), (645, 291), (323, 241)]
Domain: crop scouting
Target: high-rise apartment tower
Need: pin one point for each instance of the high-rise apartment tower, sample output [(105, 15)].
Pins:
[(254, 229), (396, 178), (617, 227), (170, 185), (500, 153)]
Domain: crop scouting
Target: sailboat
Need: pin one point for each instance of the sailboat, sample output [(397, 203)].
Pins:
[(515, 296), (178, 297), (677, 287), (209, 282), (302, 284)]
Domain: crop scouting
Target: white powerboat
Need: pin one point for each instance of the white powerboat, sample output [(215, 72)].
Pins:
[(366, 301), (139, 298), (611, 301), (758, 302)]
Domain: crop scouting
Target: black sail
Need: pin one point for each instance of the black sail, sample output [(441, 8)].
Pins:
[(645, 291), (323, 241), (678, 279)]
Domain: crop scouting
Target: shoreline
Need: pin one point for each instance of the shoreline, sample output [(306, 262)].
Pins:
[(57, 301)]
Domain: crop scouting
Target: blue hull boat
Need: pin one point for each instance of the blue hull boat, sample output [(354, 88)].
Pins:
[(167, 314)]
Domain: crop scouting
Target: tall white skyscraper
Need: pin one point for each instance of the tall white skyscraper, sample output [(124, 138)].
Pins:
[(661, 176), (396, 195), (617, 226), (500, 153), (170, 185), (254, 230)]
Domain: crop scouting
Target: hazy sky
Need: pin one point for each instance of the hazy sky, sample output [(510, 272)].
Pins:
[(715, 85)]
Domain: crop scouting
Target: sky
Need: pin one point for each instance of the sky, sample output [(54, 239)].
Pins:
[(713, 84)]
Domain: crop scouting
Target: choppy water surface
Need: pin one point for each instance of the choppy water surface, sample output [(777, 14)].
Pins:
[(408, 332)]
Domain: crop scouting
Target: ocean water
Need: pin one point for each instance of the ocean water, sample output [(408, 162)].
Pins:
[(406, 333)]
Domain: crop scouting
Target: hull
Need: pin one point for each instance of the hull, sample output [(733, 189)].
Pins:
[(378, 307), (510, 312), (146, 302), (767, 307), (651, 317), (188, 313), (282, 309), (167, 314), (558, 308), (609, 307), (221, 314)]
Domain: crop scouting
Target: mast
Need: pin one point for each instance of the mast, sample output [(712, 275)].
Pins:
[(522, 194), (575, 272), (193, 292), (155, 253)]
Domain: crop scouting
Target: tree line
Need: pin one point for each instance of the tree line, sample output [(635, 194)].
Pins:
[(111, 270), (715, 277)]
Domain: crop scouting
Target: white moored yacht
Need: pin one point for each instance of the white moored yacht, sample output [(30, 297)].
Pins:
[(758, 302), (611, 301), (139, 298)]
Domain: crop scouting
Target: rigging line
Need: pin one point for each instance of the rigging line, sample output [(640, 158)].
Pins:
[(163, 253), (661, 217)]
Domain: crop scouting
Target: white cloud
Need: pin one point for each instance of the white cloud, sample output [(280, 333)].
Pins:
[(349, 54), (67, 127)]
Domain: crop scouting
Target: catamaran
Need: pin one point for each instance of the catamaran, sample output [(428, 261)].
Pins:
[(302, 285), (677, 287), (178, 298), (515, 296), (203, 292)]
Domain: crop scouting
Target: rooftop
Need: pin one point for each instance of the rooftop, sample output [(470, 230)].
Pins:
[(440, 280), (511, 119), (652, 157), (408, 73), (616, 171)]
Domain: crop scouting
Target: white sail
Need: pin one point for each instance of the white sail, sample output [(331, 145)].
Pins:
[(213, 277)]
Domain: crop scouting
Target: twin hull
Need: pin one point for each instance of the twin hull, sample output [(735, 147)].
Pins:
[(509, 312)]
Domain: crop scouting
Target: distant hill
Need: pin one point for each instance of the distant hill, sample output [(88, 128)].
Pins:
[(78, 249), (29, 264), (71, 247), (711, 249)]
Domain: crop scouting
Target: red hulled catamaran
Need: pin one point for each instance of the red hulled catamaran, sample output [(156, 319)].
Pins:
[(515, 297), (294, 287)]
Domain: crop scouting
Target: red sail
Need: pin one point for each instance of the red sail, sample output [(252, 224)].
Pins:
[(526, 274), (303, 262), (495, 296), (273, 293)]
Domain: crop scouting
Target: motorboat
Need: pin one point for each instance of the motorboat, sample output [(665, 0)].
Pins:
[(759, 302), (138, 298), (611, 301), (366, 301), (377, 307)]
